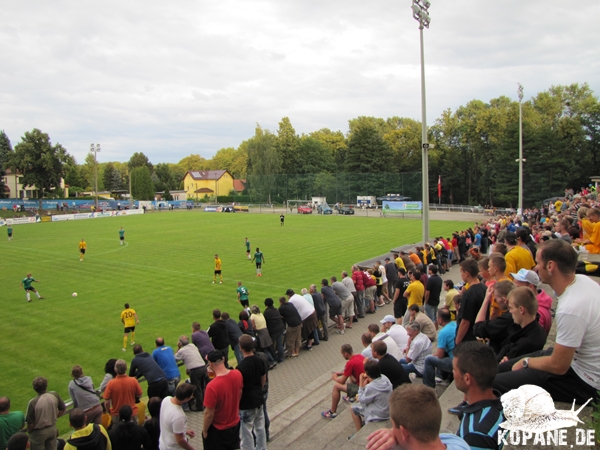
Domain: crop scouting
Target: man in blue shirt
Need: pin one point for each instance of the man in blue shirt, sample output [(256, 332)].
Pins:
[(165, 358), (443, 359)]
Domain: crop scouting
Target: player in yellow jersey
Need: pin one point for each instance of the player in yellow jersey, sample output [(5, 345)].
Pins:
[(82, 248), (217, 270), (129, 319)]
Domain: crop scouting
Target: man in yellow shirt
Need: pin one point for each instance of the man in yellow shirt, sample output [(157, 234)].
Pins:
[(217, 270), (129, 319), (399, 262), (517, 257), (82, 249), (415, 291)]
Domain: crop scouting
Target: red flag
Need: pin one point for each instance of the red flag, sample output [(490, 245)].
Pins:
[(440, 186)]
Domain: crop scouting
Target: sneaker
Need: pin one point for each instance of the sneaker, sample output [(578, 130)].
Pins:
[(458, 408), (29, 300), (41, 298), (349, 399), (124, 349), (220, 282), (213, 282), (329, 414), (133, 343), (309, 348), (438, 380), (412, 376)]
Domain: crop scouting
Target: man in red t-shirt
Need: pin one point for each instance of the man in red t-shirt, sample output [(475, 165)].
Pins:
[(354, 367), (221, 427)]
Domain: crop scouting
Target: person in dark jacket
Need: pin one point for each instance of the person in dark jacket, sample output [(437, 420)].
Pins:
[(152, 425), (219, 336), (275, 326), (320, 310), (90, 437), (128, 435), (143, 365), (498, 329), (234, 333)]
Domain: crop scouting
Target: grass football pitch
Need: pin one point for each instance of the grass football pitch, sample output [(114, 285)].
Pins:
[(165, 272)]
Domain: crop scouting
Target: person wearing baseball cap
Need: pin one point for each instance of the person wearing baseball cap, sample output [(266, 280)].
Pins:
[(396, 332), (530, 279)]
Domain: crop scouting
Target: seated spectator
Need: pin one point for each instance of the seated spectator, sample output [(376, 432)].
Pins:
[(346, 381), (531, 280), (92, 436), (496, 330), (474, 370), (128, 435), (557, 370), (19, 441), (396, 332), (374, 390), (428, 328), (419, 347), (530, 336), (392, 347), (415, 431), (389, 366), (109, 373), (442, 360), (367, 342), (81, 391), (152, 425), (11, 422)]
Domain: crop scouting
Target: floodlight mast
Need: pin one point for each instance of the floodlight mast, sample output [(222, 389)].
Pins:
[(420, 10)]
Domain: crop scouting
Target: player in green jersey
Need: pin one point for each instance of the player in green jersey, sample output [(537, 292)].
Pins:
[(260, 259), (26, 284), (122, 235), (242, 294), (247, 248), (9, 232)]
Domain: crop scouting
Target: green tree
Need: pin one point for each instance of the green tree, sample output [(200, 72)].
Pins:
[(264, 164), (141, 184), (74, 179), (287, 146), (6, 152), (367, 150), (193, 162), (138, 159), (41, 164), (112, 178), (335, 142)]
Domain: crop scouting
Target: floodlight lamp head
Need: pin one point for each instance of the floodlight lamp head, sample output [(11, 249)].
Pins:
[(426, 4)]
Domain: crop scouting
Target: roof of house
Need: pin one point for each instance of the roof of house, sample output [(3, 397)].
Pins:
[(206, 174), (239, 185)]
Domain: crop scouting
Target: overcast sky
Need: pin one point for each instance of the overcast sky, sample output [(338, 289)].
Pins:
[(172, 78)]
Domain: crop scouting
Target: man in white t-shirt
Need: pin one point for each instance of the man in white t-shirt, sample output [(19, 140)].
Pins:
[(173, 421), (396, 332), (571, 370)]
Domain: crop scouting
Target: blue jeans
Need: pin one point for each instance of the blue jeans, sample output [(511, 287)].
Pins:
[(431, 312), (237, 352), (252, 419), (409, 367), (172, 385), (431, 364), (316, 336), (278, 343)]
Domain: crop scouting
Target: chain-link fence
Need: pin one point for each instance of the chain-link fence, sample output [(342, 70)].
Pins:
[(337, 187)]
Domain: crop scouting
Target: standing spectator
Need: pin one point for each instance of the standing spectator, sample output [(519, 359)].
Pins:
[(195, 367), (419, 347), (347, 281), (357, 278), (109, 373), (219, 336), (307, 313), (374, 390), (128, 435), (415, 290), (122, 390), (244, 324), (442, 360), (292, 319), (320, 310), (400, 301), (221, 425), (370, 291), (142, 365), (173, 421), (152, 424), (451, 292), (42, 412), (265, 343), (471, 301), (201, 340), (165, 358), (346, 381), (81, 391), (275, 326), (87, 435), (11, 422), (334, 304), (234, 333), (391, 272), (347, 299), (251, 403), (432, 293)]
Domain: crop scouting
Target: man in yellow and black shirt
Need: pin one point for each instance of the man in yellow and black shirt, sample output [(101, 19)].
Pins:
[(82, 248), (217, 270), (129, 319)]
